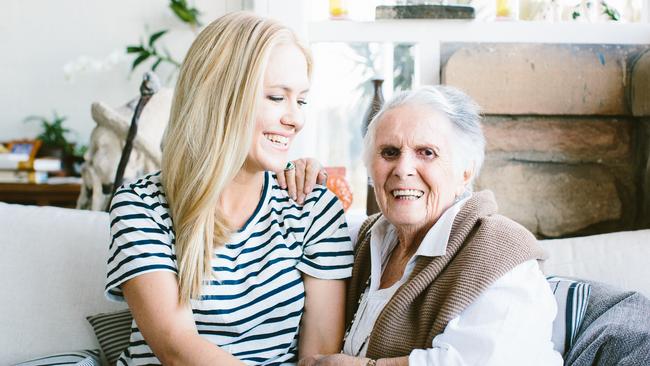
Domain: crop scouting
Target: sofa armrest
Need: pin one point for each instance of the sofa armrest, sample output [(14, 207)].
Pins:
[(619, 259), (52, 273)]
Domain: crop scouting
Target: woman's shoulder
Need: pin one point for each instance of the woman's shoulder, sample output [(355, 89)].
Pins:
[(318, 194), (506, 227), (507, 237), (480, 211), (144, 193), (150, 184)]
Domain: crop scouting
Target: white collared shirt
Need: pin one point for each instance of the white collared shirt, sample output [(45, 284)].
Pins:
[(509, 324)]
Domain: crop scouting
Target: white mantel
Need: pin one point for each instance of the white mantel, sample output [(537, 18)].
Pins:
[(429, 34)]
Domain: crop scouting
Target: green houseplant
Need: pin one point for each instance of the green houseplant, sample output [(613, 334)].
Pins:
[(55, 141), (53, 135), (150, 49)]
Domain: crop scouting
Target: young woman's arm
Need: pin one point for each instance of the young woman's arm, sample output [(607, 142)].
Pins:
[(167, 326), (321, 330), (326, 262)]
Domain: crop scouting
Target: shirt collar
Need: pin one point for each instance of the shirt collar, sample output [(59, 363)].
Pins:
[(435, 241), (384, 236)]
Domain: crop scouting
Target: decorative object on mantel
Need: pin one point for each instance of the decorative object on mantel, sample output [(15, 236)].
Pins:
[(107, 141), (424, 12), (338, 9), (375, 105), (507, 9)]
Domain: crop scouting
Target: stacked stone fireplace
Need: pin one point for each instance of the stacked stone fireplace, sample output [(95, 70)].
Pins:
[(568, 132)]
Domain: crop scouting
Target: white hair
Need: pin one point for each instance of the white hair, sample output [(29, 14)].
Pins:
[(460, 110)]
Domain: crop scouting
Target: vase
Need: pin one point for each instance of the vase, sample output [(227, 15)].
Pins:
[(338, 9), (375, 105)]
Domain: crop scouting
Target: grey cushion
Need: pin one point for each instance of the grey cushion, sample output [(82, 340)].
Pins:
[(615, 330), (80, 358)]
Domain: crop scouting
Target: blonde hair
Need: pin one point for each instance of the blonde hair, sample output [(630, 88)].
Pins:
[(210, 132)]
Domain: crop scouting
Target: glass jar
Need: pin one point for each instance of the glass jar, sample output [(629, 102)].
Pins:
[(338, 9), (507, 9)]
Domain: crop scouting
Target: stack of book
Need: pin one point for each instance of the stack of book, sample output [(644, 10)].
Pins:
[(21, 168)]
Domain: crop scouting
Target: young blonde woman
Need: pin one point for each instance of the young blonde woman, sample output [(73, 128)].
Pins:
[(217, 263)]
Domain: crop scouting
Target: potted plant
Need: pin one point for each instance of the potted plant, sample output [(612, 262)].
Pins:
[(55, 142)]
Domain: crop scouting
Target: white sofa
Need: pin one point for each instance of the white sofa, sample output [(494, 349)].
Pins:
[(52, 271)]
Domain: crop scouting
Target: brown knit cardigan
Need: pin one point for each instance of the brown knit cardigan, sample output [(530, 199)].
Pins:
[(482, 247)]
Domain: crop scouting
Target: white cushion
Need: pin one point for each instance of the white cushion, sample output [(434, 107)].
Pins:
[(621, 259), (52, 272)]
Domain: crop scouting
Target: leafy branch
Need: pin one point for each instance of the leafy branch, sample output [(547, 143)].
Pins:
[(145, 51), (608, 10), (185, 13)]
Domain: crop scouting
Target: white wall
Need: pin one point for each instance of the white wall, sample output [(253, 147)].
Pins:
[(39, 37)]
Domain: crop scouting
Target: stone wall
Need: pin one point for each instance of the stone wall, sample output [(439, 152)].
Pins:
[(567, 129)]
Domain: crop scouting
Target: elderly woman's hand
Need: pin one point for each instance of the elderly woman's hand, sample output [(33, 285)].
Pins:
[(300, 176), (338, 359)]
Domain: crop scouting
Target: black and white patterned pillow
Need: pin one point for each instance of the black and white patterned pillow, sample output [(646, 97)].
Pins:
[(80, 358), (572, 298), (113, 331)]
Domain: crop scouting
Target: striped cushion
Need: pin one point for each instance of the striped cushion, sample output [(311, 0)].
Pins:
[(572, 298), (113, 331), (81, 358)]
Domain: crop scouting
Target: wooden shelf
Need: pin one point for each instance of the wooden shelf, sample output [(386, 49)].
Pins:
[(60, 195)]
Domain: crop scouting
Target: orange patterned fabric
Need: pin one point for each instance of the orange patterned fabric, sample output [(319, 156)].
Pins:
[(336, 183)]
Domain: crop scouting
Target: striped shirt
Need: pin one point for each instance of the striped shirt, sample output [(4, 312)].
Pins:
[(252, 306)]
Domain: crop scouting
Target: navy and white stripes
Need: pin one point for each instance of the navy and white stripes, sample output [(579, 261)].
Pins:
[(80, 358), (252, 305), (572, 298)]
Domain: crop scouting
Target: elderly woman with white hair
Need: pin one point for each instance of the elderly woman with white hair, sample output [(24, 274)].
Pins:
[(439, 277)]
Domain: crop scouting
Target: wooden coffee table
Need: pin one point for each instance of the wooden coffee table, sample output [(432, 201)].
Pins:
[(60, 195)]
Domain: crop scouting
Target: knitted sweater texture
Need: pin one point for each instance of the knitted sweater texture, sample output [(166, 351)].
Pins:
[(483, 246)]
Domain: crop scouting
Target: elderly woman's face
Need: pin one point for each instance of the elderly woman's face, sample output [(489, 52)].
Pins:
[(412, 166)]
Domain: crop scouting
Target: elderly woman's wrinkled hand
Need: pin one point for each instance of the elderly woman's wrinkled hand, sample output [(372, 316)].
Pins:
[(338, 359), (310, 361)]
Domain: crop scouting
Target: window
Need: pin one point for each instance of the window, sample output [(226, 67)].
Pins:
[(340, 97), (409, 53)]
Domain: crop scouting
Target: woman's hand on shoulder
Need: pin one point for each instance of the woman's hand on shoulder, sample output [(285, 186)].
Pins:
[(300, 177)]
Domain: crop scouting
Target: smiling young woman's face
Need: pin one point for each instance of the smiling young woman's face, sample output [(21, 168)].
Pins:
[(280, 114), (412, 166)]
